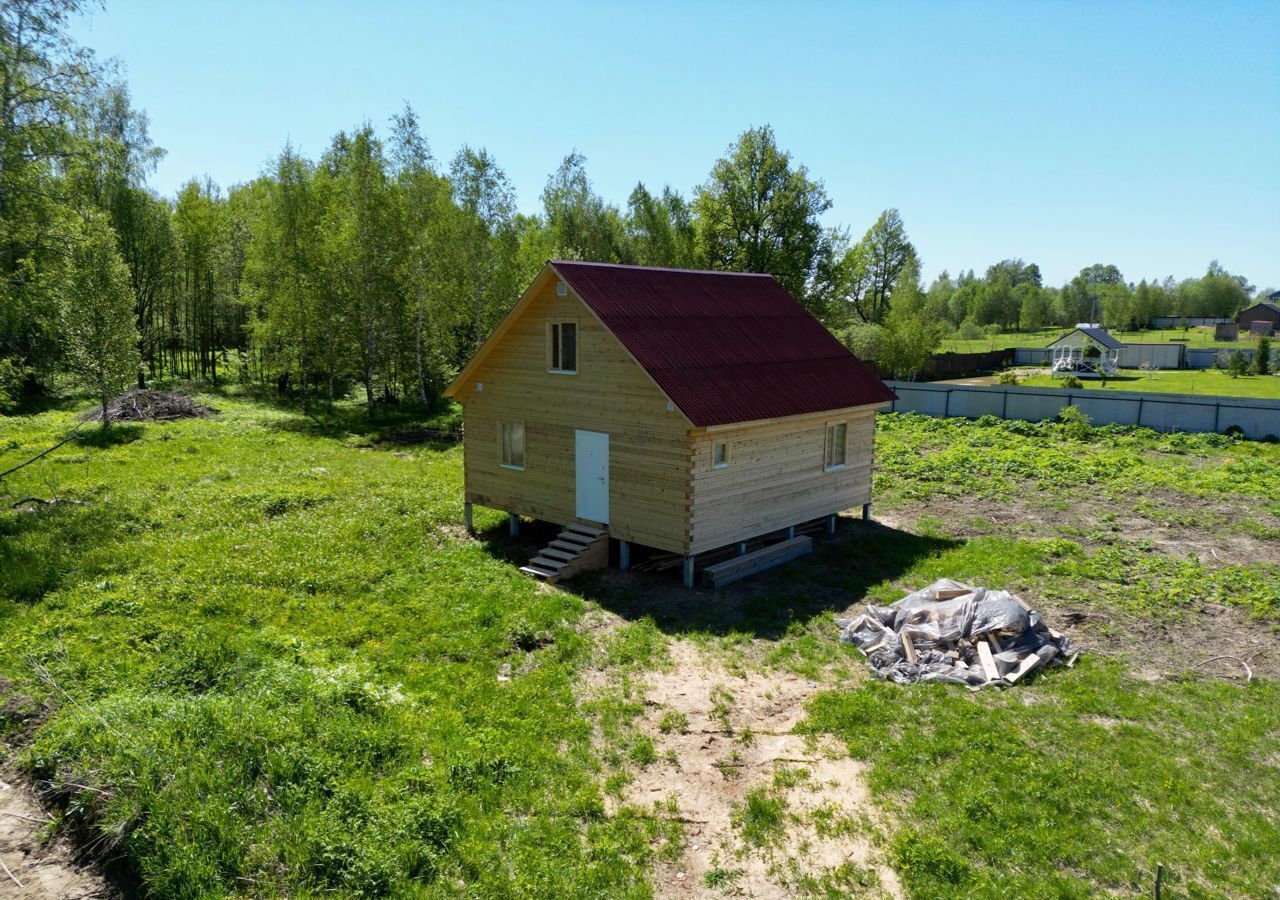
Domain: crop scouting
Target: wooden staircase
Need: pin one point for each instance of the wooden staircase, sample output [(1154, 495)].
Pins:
[(578, 548)]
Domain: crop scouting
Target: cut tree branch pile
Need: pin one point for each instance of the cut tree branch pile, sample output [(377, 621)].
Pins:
[(957, 633), (145, 405)]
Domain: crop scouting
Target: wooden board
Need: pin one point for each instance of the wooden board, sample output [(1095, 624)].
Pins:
[(740, 567), (988, 663)]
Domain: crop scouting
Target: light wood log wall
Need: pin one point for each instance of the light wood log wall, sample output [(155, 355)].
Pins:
[(776, 476), (648, 444)]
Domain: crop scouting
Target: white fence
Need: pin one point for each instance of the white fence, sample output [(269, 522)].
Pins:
[(1164, 412)]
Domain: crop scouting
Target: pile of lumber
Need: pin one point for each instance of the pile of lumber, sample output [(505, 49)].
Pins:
[(957, 633)]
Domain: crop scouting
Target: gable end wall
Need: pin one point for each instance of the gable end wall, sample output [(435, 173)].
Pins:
[(648, 444)]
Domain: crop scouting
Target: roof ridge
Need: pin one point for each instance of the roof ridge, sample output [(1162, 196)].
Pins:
[(609, 265)]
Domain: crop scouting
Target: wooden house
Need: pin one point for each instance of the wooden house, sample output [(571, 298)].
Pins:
[(679, 410)]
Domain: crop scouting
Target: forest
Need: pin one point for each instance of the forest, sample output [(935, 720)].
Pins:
[(379, 268)]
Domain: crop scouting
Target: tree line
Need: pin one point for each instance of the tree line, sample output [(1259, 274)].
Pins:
[(380, 266)]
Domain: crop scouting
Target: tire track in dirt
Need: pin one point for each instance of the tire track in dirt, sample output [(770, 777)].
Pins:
[(736, 739), (46, 868)]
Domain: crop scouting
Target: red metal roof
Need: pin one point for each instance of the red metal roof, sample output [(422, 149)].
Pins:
[(725, 347)]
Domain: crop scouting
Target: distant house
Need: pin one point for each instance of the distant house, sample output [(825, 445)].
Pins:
[(1261, 318), (679, 410), (1085, 350)]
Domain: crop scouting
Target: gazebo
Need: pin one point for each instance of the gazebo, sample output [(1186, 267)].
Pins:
[(1087, 350)]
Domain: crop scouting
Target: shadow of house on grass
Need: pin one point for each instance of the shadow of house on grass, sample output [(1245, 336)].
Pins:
[(838, 575)]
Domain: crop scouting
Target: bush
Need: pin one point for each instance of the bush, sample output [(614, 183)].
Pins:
[(864, 341), (969, 330), (1008, 377), (1071, 381), (12, 374), (1075, 424)]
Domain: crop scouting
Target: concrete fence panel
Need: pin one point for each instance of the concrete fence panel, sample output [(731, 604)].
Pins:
[(1159, 356), (1032, 356), (1164, 412)]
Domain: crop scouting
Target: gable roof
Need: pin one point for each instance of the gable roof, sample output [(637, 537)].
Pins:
[(1098, 334), (1264, 304), (724, 347)]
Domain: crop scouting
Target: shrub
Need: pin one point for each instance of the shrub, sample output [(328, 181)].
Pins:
[(1071, 381), (1075, 424), (969, 330), (1008, 377), (12, 374)]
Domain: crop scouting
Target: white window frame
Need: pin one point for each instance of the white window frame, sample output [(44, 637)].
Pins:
[(506, 454), (555, 346), (829, 446), (728, 458)]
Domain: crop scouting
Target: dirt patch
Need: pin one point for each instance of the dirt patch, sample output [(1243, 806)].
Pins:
[(723, 738), (1156, 648), (46, 867), (1176, 524)]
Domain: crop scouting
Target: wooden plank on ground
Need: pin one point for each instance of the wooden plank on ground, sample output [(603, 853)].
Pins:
[(1031, 661), (908, 648), (950, 593), (739, 567), (988, 663)]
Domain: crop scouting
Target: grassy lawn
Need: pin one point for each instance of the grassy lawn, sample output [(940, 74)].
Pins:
[(1193, 337), (1208, 382), (258, 657)]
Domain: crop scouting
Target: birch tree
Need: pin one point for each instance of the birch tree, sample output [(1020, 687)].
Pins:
[(100, 337)]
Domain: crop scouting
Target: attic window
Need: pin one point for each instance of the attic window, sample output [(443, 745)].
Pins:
[(562, 289), (835, 455), (720, 455), (562, 352)]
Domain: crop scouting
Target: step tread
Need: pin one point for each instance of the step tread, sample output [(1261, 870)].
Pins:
[(578, 540), (553, 564), (569, 546), (538, 571), (584, 529), (558, 553)]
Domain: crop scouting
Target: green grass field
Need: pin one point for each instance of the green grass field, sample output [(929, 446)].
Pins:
[(258, 657), (1209, 382), (1193, 337)]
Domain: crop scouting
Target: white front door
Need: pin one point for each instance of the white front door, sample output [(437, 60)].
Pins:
[(592, 471)]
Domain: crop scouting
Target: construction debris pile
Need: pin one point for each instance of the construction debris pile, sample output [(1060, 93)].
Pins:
[(957, 633), (148, 406)]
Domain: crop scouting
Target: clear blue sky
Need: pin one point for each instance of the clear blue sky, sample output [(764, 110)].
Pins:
[(1147, 135)]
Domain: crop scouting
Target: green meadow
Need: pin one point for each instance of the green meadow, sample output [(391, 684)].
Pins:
[(256, 655)]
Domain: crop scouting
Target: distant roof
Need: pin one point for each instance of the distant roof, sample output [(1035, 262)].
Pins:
[(725, 347), (1098, 334), (1263, 303)]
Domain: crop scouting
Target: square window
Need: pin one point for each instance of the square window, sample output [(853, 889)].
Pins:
[(835, 451), (512, 441), (563, 350), (720, 455)]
